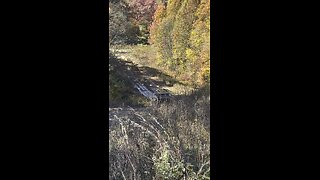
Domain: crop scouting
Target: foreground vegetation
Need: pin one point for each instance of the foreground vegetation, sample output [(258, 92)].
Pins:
[(171, 141)]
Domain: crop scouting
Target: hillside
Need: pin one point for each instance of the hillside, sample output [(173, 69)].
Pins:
[(159, 46), (155, 141), (129, 64)]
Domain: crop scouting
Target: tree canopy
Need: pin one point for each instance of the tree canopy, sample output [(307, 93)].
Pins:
[(181, 33)]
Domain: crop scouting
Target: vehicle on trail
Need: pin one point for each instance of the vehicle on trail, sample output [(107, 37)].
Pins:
[(155, 94), (164, 97), (161, 94)]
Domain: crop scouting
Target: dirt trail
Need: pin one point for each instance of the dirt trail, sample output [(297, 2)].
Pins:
[(148, 75), (133, 70)]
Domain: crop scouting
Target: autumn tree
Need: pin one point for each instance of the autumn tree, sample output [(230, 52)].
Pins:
[(142, 10), (198, 54), (181, 33), (140, 15), (158, 16)]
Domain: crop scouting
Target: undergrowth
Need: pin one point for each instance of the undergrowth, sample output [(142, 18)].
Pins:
[(121, 89), (169, 141)]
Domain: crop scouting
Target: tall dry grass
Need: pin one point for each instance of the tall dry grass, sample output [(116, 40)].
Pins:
[(169, 141)]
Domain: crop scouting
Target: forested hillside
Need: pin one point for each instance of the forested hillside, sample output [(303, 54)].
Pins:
[(162, 45), (181, 33)]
